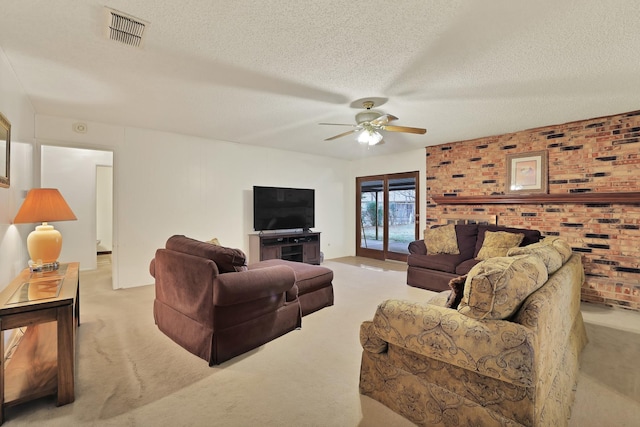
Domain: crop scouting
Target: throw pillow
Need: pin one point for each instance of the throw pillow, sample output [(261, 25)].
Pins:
[(547, 252), (495, 288), (231, 260), (441, 240), (530, 236), (498, 243), (215, 241), (457, 290), (561, 245)]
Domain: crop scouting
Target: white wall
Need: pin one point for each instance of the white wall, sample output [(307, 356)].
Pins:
[(17, 109), (167, 184), (73, 172)]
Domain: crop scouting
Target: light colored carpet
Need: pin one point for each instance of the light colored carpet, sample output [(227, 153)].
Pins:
[(130, 374)]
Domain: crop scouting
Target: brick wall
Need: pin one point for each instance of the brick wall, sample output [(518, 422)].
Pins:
[(596, 155)]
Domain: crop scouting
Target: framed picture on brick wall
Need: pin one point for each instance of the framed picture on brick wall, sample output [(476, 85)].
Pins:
[(527, 172)]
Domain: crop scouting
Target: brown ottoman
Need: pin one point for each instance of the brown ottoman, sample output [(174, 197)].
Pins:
[(315, 290)]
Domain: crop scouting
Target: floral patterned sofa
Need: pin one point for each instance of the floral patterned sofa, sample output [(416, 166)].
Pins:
[(508, 355)]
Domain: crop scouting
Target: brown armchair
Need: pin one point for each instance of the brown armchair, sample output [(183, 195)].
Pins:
[(210, 304)]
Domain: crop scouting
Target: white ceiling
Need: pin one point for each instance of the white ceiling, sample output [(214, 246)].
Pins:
[(265, 72)]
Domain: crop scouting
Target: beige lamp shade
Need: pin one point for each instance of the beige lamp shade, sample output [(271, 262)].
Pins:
[(44, 205)]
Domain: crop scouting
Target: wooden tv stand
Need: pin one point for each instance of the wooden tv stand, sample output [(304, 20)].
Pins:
[(302, 246)]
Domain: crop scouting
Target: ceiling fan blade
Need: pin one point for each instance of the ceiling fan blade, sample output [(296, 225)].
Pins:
[(341, 135), (404, 129), (383, 120), (337, 124)]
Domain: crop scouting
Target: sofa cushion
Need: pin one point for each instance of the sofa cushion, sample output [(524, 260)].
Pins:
[(440, 262), (467, 235), (441, 240), (495, 288), (228, 260), (530, 236), (498, 243), (547, 252), (309, 277), (465, 266)]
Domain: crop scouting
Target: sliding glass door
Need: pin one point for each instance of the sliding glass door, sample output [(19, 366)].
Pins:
[(386, 215), (370, 216)]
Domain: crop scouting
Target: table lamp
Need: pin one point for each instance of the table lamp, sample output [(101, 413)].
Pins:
[(45, 242)]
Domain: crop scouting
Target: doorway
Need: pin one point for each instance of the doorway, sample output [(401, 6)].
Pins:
[(79, 174), (387, 215), (104, 209)]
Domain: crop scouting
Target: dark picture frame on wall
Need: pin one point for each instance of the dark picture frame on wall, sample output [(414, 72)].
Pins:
[(527, 172), (5, 151)]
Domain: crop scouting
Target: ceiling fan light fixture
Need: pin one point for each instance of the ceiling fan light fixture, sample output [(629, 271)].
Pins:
[(367, 116), (369, 137), (369, 124)]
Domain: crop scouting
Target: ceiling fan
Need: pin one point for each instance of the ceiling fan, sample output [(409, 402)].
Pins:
[(370, 123)]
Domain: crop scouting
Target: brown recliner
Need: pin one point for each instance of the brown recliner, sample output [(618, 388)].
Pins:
[(208, 302)]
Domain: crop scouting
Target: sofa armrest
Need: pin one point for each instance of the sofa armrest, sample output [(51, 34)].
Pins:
[(417, 247), (184, 282), (370, 340), (152, 268), (235, 288), (497, 348)]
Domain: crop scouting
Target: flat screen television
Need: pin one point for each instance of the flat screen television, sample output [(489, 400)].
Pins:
[(279, 208)]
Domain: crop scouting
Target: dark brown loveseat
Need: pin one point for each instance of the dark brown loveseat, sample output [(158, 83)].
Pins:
[(210, 303), (434, 271)]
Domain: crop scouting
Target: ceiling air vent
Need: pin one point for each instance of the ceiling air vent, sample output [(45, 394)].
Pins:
[(125, 28)]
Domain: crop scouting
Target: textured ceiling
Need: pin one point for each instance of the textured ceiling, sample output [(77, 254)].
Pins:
[(265, 72)]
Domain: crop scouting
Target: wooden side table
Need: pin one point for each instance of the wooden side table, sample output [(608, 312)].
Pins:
[(43, 360)]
